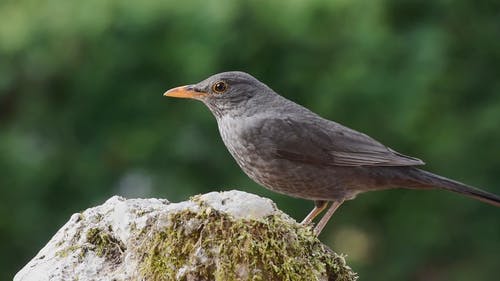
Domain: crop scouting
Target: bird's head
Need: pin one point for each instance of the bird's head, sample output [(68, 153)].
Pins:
[(224, 92)]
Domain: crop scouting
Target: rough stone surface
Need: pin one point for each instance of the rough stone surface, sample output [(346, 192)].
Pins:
[(216, 236)]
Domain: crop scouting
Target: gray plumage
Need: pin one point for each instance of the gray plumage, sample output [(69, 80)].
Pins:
[(289, 149)]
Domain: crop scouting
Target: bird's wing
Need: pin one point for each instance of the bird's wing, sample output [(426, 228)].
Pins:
[(323, 142)]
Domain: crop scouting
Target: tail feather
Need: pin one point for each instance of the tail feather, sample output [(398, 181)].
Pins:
[(431, 180)]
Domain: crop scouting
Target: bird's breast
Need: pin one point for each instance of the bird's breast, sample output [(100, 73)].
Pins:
[(254, 154), (241, 141), (244, 141), (251, 150)]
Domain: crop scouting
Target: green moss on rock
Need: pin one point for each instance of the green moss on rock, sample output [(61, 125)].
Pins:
[(105, 245), (209, 245), (67, 251), (216, 236)]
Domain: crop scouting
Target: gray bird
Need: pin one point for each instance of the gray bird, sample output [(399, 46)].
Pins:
[(291, 150)]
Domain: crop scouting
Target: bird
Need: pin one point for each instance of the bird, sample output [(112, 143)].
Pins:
[(291, 150)]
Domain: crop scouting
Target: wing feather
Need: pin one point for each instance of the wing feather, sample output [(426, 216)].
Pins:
[(324, 142)]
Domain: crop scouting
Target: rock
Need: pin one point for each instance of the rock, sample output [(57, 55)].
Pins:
[(229, 235)]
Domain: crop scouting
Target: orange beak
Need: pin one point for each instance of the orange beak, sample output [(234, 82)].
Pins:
[(187, 92)]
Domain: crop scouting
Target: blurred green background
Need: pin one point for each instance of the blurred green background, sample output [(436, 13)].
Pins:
[(82, 115)]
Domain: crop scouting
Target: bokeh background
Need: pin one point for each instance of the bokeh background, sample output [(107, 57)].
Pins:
[(82, 115)]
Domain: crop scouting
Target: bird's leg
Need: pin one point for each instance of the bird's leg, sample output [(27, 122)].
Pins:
[(321, 224), (318, 208)]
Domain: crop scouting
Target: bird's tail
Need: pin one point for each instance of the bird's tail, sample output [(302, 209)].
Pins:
[(430, 180)]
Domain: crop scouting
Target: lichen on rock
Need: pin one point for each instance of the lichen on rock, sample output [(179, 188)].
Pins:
[(216, 236)]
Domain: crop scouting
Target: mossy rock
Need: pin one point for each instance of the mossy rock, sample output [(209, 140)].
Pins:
[(212, 245), (216, 236)]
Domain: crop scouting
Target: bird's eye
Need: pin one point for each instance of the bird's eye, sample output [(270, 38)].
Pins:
[(219, 87)]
